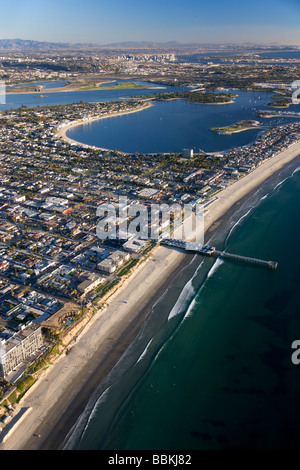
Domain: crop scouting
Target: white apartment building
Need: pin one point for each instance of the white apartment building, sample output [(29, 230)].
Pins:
[(16, 348)]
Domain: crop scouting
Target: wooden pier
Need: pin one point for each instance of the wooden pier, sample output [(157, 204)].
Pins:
[(247, 259), (207, 250)]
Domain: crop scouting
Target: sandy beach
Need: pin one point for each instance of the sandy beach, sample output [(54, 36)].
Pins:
[(59, 397)]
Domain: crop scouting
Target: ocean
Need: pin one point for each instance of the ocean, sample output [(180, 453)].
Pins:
[(211, 368)]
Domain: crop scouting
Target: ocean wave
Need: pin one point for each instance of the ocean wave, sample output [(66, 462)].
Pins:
[(287, 178), (162, 348), (187, 292), (80, 427), (265, 196), (145, 351), (296, 170), (238, 223), (215, 267), (211, 272), (283, 181), (99, 402), (190, 309)]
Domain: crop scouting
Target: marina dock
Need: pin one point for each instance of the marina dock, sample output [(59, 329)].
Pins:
[(207, 250)]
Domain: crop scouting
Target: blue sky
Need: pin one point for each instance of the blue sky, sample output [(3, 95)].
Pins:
[(107, 21)]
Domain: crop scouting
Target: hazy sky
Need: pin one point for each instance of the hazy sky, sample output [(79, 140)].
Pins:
[(107, 21)]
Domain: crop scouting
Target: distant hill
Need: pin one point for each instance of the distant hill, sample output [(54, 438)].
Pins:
[(36, 46), (21, 44), (28, 45), (143, 44)]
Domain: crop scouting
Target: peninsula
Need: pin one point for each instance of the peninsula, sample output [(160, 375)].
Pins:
[(201, 97), (76, 85), (240, 126)]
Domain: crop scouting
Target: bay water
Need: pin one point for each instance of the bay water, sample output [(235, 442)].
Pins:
[(171, 126)]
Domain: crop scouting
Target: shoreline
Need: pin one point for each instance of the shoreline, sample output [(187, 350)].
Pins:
[(60, 395)]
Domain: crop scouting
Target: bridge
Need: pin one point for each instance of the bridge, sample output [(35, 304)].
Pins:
[(207, 250)]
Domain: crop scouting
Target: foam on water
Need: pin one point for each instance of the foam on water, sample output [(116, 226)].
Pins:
[(281, 182), (145, 351), (256, 204), (86, 417), (99, 402), (296, 170), (190, 309), (287, 178), (238, 222), (187, 292), (211, 272), (215, 267)]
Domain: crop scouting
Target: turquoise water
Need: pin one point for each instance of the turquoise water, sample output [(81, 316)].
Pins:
[(217, 372)]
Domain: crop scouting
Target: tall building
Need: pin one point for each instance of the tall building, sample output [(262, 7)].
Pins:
[(16, 348), (188, 153)]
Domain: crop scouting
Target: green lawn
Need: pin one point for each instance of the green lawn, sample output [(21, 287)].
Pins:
[(119, 86)]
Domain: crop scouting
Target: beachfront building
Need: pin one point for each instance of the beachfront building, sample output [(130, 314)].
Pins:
[(90, 283), (134, 245), (119, 257), (188, 153), (107, 266), (113, 262), (16, 348)]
